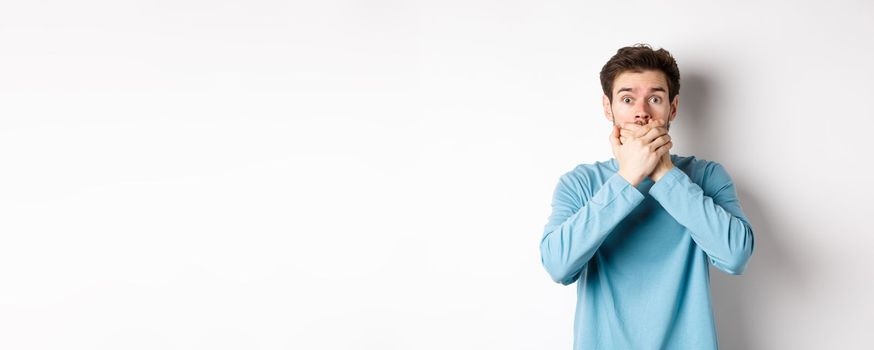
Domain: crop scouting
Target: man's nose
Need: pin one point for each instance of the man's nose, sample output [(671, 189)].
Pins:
[(642, 115)]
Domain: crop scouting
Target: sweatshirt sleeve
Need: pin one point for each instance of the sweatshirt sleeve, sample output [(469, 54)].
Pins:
[(717, 223), (578, 225)]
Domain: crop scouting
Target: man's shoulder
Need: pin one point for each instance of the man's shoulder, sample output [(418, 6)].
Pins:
[(584, 179), (694, 164), (706, 173), (590, 171)]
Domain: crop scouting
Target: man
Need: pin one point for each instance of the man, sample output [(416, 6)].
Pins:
[(638, 232)]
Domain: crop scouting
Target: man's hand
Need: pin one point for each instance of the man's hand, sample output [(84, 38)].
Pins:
[(642, 151), (663, 167)]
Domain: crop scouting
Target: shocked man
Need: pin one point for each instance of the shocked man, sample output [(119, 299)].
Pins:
[(637, 233)]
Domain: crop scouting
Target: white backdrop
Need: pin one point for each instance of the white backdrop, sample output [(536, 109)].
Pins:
[(376, 174)]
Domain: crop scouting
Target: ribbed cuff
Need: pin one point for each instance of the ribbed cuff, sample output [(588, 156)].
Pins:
[(616, 187), (663, 186)]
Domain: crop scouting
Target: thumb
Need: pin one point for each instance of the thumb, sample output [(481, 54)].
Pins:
[(614, 137)]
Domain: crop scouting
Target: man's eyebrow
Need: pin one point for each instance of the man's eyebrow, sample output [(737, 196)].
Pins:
[(657, 88)]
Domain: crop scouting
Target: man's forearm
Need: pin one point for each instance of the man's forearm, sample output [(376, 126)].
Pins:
[(717, 224)]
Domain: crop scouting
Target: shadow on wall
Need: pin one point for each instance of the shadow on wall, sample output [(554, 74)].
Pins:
[(772, 271)]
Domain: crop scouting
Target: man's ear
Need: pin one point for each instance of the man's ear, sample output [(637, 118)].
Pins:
[(674, 104), (607, 112)]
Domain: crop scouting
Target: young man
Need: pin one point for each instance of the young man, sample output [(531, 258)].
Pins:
[(638, 232)]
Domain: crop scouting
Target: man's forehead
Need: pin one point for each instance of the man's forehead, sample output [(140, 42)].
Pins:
[(635, 81)]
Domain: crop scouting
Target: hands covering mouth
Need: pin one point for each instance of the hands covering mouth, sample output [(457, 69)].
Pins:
[(642, 150)]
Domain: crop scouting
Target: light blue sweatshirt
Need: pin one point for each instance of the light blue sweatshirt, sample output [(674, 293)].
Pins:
[(640, 254)]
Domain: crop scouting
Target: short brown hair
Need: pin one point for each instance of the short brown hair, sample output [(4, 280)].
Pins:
[(639, 58)]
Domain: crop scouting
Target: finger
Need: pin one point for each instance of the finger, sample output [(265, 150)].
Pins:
[(664, 148), (643, 130), (634, 130), (638, 129), (614, 137), (626, 133), (653, 124), (631, 126), (653, 133), (659, 141)]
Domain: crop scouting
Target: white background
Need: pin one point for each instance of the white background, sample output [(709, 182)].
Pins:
[(377, 174)]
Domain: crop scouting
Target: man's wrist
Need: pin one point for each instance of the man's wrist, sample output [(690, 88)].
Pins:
[(634, 181), (657, 175)]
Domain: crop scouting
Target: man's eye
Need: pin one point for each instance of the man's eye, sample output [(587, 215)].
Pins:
[(626, 100), (655, 99)]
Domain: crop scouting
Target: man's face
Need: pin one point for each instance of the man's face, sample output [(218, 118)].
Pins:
[(640, 98)]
